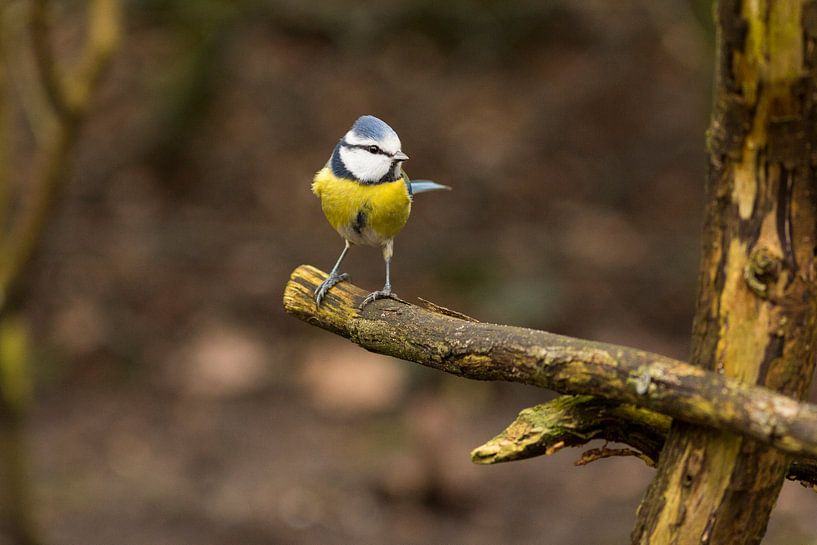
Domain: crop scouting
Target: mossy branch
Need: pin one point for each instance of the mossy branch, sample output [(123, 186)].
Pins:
[(573, 421), (567, 365)]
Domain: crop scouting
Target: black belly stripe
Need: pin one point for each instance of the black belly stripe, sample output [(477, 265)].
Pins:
[(360, 222)]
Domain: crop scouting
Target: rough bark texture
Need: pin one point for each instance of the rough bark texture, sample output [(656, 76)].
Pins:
[(755, 319), (573, 421), (443, 340)]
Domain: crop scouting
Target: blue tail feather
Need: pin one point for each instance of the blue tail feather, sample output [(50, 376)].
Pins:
[(421, 186)]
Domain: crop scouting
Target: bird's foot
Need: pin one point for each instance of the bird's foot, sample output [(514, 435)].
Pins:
[(326, 285), (385, 293)]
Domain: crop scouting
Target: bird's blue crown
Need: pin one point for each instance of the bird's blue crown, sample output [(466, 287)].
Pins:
[(368, 126)]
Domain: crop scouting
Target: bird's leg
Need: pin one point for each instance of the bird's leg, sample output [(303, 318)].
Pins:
[(388, 250), (334, 277)]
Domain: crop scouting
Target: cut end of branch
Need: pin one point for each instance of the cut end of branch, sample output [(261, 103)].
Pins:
[(335, 311), (543, 429)]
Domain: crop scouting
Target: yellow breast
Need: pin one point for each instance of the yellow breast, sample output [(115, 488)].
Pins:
[(363, 214)]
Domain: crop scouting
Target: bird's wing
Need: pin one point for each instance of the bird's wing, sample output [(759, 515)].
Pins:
[(407, 180)]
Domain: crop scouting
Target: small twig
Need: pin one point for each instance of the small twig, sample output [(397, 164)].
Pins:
[(554, 448), (594, 454)]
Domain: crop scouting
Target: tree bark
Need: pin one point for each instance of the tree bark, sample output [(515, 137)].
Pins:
[(755, 317)]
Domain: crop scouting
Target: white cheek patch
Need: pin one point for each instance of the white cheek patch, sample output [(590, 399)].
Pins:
[(365, 166)]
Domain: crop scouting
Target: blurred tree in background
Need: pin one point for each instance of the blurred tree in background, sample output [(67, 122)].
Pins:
[(55, 102)]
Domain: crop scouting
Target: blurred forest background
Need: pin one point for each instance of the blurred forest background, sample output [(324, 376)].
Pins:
[(176, 403)]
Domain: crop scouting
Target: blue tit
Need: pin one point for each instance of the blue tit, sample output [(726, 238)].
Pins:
[(366, 196)]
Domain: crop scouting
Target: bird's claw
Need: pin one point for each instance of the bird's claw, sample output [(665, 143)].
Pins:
[(326, 285), (375, 295)]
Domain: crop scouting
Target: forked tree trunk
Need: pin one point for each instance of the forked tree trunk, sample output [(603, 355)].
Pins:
[(756, 312)]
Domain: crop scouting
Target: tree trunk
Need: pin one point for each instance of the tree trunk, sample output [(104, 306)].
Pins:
[(755, 317)]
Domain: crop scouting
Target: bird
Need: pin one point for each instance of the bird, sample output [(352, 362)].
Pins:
[(366, 195)]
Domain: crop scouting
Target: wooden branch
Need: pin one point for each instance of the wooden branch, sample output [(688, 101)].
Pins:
[(571, 366), (572, 421)]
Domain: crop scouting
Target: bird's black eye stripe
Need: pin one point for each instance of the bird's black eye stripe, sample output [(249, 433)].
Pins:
[(371, 148)]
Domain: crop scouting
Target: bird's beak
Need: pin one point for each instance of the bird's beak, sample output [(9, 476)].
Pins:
[(400, 156)]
